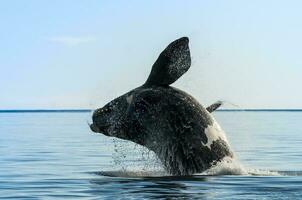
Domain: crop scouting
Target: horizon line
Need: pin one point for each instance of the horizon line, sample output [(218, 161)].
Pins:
[(90, 110)]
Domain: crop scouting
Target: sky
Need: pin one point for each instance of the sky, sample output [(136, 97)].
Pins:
[(68, 54)]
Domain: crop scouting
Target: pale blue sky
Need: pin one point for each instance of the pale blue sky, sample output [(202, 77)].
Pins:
[(81, 54)]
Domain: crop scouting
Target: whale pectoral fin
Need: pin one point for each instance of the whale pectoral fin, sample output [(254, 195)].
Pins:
[(214, 106), (171, 64)]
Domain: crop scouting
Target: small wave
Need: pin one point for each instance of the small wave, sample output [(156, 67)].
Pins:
[(290, 173), (132, 174), (263, 172)]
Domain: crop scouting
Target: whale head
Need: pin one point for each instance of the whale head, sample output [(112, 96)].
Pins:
[(110, 120), (113, 118)]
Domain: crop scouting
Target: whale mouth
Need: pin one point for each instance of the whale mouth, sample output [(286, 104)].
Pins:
[(94, 128), (99, 129)]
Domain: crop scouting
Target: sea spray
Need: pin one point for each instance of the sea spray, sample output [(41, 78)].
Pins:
[(227, 166), (131, 158), (232, 166)]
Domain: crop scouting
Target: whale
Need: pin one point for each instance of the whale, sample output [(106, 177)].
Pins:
[(166, 120)]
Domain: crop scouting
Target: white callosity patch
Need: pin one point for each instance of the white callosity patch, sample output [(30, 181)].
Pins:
[(129, 99), (213, 133)]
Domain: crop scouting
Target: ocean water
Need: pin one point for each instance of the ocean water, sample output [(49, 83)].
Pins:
[(54, 155)]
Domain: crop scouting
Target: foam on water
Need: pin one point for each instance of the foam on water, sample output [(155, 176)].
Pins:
[(133, 173), (228, 166), (231, 166)]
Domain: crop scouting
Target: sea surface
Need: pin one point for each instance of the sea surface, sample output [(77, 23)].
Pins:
[(54, 155)]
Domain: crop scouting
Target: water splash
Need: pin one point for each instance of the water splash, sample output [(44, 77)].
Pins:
[(231, 166), (132, 160), (228, 166), (129, 157)]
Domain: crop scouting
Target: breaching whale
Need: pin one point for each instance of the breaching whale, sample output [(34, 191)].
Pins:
[(182, 133)]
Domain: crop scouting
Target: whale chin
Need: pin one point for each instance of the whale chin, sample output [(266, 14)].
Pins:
[(98, 129), (94, 128)]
